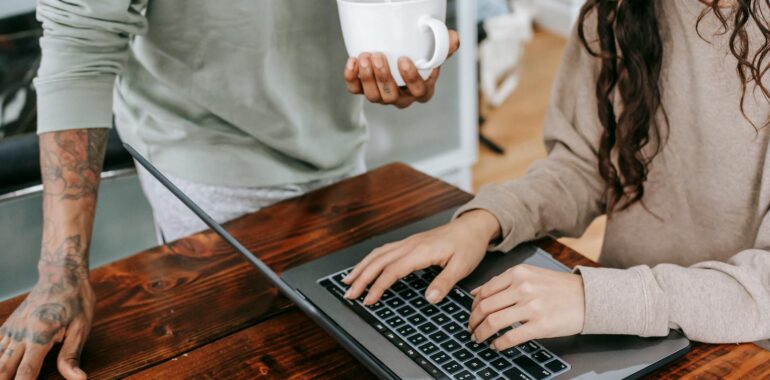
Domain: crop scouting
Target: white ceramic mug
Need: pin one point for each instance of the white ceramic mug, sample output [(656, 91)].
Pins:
[(397, 28)]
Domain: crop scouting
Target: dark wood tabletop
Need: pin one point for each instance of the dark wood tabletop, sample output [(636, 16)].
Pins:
[(196, 309)]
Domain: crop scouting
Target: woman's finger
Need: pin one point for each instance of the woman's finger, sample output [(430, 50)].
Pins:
[(430, 86), (493, 286), (359, 268), (516, 336), (399, 268), (446, 280), (351, 77), (387, 86), (370, 273), (497, 321), (489, 305), (366, 75)]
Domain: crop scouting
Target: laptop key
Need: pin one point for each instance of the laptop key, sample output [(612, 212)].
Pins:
[(500, 364), (464, 375), (385, 313), (410, 277), (428, 328), (462, 355), (449, 307), (418, 302), (416, 319), (530, 367), (462, 317), (440, 357), (463, 336), (407, 294), (398, 286), (406, 330), (388, 294), (450, 345), (556, 366), (395, 322), (418, 285), (376, 306), (542, 356), (452, 367), (475, 347), (417, 339), (440, 319), (395, 302), (428, 348), (529, 347), (515, 374), (486, 374), (460, 297), (406, 311), (452, 328), (474, 364), (438, 336), (429, 310), (489, 355), (512, 352)]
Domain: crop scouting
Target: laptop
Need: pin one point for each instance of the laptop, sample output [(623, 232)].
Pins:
[(405, 337)]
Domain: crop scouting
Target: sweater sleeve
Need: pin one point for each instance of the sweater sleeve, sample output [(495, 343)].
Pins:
[(84, 47), (527, 208), (712, 302)]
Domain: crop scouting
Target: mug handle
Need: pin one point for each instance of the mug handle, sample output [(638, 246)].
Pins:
[(441, 34)]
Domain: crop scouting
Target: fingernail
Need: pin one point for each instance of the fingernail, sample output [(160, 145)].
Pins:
[(403, 63), (80, 372), (378, 63), (364, 63), (351, 64), (494, 346), (474, 338), (474, 291), (348, 293), (432, 296)]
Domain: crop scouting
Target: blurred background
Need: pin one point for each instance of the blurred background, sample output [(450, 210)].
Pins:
[(483, 126)]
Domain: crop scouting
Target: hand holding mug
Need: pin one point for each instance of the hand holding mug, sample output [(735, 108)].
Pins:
[(396, 48), (370, 74)]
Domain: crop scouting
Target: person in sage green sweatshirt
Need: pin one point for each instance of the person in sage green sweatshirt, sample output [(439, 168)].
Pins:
[(650, 123), (242, 103)]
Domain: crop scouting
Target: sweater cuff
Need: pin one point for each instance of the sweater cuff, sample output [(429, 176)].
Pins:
[(622, 302), (507, 242), (74, 104)]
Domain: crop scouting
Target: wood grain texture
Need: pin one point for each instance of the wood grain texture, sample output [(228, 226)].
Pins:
[(196, 309)]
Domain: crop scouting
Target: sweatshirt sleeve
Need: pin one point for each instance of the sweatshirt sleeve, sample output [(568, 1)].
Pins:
[(526, 208), (84, 47), (712, 302)]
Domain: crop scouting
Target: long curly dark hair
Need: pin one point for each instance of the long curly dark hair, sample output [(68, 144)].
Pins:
[(631, 53)]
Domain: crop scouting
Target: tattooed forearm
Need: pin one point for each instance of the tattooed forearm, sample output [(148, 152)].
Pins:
[(71, 162)]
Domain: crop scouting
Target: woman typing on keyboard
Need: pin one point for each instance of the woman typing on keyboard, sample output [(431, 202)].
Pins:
[(660, 119)]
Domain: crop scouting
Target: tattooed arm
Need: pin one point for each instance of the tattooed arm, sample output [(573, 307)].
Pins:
[(60, 306)]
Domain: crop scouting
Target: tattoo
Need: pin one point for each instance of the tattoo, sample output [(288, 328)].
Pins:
[(386, 89), (71, 163), (50, 313), (19, 335), (71, 254)]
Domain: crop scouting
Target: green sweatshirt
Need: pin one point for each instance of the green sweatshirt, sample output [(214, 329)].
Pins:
[(236, 93)]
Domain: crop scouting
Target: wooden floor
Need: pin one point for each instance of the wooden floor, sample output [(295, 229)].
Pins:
[(518, 127)]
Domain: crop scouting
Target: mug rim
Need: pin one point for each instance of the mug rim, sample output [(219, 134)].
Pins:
[(381, 3)]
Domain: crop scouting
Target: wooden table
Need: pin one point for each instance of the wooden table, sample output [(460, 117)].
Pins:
[(196, 309)]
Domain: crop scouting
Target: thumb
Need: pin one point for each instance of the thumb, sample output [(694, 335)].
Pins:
[(444, 282), (68, 361)]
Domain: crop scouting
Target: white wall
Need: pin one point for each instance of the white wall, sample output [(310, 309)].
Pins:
[(14, 7)]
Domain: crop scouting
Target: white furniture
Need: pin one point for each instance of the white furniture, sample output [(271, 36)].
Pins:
[(557, 16)]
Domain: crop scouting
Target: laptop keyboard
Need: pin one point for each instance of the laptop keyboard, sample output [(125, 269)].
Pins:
[(436, 336)]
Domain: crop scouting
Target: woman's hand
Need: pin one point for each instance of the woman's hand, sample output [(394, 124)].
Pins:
[(549, 304), (458, 247), (369, 74)]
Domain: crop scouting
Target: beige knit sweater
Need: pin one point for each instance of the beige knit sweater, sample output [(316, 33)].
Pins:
[(704, 266)]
